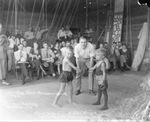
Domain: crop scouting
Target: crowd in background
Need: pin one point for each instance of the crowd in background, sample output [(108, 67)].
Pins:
[(32, 54)]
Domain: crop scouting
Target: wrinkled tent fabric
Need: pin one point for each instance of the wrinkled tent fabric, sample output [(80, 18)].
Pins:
[(143, 38)]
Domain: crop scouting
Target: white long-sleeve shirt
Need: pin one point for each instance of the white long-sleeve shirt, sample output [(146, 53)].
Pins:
[(20, 56)]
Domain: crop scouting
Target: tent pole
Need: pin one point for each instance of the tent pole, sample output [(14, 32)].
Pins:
[(148, 23)]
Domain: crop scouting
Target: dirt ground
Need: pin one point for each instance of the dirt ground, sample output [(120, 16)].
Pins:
[(33, 101)]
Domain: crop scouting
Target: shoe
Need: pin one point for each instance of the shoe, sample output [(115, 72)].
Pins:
[(37, 78), (27, 78), (96, 103), (104, 108), (53, 74), (23, 82), (78, 92), (92, 92), (5, 83)]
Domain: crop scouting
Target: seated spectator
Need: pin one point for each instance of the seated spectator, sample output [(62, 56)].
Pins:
[(63, 44), (65, 48), (21, 60), (124, 57), (56, 48), (101, 47), (69, 34), (51, 46), (74, 42), (48, 58), (26, 48), (17, 40), (107, 49), (59, 61), (8, 34), (62, 34), (35, 59), (112, 56)]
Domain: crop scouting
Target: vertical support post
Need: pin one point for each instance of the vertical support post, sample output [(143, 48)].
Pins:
[(87, 22), (148, 23), (130, 31), (127, 21), (97, 17), (16, 13)]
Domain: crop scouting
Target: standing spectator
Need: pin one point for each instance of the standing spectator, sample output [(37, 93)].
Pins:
[(112, 56), (3, 57), (84, 54), (10, 54), (48, 58)]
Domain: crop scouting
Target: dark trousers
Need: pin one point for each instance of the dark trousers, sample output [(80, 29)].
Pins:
[(35, 64), (24, 71), (51, 67)]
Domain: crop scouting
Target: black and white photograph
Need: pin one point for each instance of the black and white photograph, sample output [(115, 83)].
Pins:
[(74, 60)]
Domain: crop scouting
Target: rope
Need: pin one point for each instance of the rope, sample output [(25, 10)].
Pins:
[(12, 16), (127, 21), (20, 15), (22, 6), (57, 25), (46, 13), (2, 10), (40, 13), (53, 17), (74, 13), (65, 13), (24, 15), (8, 13), (32, 12)]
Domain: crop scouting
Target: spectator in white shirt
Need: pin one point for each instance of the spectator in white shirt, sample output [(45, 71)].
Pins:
[(69, 34), (84, 54), (21, 60), (26, 48), (62, 34), (48, 58)]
